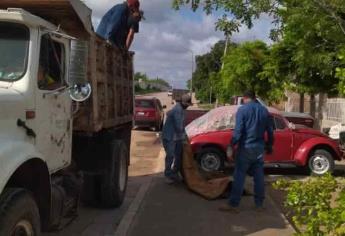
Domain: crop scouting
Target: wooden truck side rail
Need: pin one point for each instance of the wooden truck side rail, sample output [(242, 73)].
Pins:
[(111, 76)]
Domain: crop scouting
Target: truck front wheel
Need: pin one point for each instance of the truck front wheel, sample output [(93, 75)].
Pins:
[(115, 178), (19, 213)]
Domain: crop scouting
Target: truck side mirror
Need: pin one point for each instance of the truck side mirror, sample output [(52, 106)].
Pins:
[(80, 88), (80, 92)]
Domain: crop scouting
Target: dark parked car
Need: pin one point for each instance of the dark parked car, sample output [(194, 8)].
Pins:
[(299, 118), (192, 115), (293, 117), (294, 144), (149, 113)]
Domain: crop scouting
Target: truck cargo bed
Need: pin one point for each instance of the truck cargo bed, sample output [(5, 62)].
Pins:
[(111, 76)]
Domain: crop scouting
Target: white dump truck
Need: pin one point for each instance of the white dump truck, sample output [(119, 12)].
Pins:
[(60, 143)]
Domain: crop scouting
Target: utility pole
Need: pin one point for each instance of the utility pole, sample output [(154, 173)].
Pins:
[(191, 80), (227, 39), (211, 95)]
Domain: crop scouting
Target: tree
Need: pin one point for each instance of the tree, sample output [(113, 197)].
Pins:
[(206, 65), (312, 30), (235, 12), (140, 77), (242, 71), (148, 83)]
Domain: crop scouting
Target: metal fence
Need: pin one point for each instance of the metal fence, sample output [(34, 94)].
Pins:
[(335, 110)]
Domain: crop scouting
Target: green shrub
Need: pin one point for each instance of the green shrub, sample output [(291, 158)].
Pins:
[(317, 205)]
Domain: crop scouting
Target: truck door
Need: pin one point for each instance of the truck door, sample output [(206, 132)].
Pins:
[(53, 105)]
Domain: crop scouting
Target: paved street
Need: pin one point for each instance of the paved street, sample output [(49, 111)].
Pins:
[(153, 208), (144, 152)]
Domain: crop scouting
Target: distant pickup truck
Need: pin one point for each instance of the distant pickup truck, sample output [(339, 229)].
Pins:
[(191, 115), (178, 93)]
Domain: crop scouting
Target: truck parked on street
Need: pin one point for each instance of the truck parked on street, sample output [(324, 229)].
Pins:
[(60, 143), (178, 93)]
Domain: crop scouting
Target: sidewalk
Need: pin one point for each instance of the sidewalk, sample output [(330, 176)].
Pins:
[(173, 210)]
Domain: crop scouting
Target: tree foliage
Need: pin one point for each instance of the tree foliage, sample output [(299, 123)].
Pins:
[(206, 66), (317, 206), (310, 33), (235, 12), (313, 39), (243, 67), (143, 78), (138, 76)]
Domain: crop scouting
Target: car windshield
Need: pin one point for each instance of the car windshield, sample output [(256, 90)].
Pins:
[(14, 43), (222, 118), (144, 104)]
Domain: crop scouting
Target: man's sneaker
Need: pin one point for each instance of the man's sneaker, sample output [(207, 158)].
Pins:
[(259, 209), (176, 178), (228, 208)]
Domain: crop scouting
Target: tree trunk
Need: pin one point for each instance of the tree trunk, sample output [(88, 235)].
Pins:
[(312, 105), (322, 99), (301, 102)]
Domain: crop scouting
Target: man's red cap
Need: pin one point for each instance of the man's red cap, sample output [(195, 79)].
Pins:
[(133, 4)]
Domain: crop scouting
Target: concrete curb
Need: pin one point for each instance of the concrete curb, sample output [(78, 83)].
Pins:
[(128, 218), (276, 208)]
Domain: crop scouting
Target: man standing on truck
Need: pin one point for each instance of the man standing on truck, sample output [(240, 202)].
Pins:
[(252, 122), (120, 23), (173, 136)]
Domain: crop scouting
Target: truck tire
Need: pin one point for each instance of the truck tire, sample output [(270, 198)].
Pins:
[(321, 162), (114, 184), (19, 213)]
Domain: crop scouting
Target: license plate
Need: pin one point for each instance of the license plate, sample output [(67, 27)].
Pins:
[(141, 113)]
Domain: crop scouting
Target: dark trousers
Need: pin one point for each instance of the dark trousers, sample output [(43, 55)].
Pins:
[(173, 159), (248, 161)]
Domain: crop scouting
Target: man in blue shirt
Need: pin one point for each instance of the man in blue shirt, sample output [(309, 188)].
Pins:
[(120, 23), (173, 135), (252, 122)]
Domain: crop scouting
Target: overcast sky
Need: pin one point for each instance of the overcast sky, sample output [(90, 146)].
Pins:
[(167, 37)]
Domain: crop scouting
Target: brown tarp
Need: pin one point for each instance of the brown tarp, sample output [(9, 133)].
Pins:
[(209, 189)]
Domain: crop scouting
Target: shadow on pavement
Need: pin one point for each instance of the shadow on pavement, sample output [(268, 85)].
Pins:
[(174, 210)]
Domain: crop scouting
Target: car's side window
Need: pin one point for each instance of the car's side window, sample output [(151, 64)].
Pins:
[(279, 123)]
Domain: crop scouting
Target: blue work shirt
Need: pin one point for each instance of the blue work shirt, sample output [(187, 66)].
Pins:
[(114, 25), (252, 121), (173, 128)]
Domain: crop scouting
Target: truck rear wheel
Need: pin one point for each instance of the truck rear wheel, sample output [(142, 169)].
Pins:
[(19, 213), (114, 184)]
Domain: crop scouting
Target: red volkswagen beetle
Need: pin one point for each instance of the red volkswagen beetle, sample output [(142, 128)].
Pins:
[(298, 145)]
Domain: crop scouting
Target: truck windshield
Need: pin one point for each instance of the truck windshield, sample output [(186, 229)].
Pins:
[(14, 44)]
